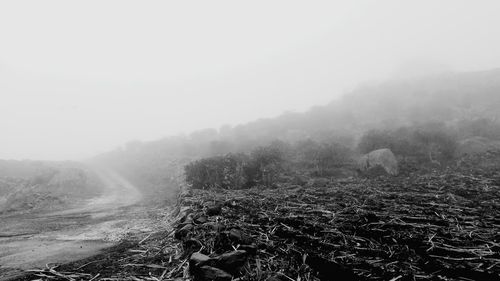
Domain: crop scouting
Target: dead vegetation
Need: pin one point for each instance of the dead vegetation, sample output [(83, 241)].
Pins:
[(442, 225), (435, 227)]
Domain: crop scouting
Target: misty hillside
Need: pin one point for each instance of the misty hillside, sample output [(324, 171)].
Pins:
[(446, 98), (29, 185), (454, 100)]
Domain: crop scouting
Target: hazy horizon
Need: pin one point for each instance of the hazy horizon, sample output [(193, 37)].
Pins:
[(81, 78)]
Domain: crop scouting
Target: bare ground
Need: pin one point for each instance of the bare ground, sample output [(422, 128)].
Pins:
[(36, 239)]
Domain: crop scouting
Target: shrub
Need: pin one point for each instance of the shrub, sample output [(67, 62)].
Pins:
[(225, 172), (322, 158), (481, 127), (376, 139), (436, 141), (235, 171), (266, 164), (432, 142)]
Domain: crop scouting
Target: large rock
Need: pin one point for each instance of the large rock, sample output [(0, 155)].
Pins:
[(381, 158), (477, 145)]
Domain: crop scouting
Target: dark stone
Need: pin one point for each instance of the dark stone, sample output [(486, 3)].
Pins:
[(213, 225), (250, 249), (230, 262), (209, 273), (214, 210), (192, 245), (197, 260), (237, 236), (184, 214), (183, 231), (200, 219)]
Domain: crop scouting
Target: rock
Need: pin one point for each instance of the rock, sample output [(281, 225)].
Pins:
[(213, 225), (187, 219), (200, 219), (183, 213), (381, 158), (192, 245), (209, 273), (230, 262), (237, 236), (250, 249), (183, 231), (197, 260), (214, 210)]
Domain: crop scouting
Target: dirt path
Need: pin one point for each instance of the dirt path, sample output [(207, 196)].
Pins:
[(34, 240)]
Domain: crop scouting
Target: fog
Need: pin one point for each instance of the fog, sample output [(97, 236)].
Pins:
[(80, 78)]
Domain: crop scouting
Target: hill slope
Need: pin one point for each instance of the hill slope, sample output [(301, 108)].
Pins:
[(450, 99)]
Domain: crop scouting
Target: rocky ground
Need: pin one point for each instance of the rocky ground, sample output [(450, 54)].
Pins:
[(442, 225)]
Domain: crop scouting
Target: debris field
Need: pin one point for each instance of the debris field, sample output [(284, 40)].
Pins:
[(442, 225)]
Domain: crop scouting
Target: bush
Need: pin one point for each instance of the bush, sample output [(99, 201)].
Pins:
[(235, 171), (432, 142), (481, 127), (376, 139), (436, 141), (225, 172), (323, 159), (266, 164)]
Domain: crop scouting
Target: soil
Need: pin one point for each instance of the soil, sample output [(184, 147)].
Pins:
[(33, 240)]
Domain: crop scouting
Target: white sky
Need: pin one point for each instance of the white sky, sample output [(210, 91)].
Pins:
[(82, 77)]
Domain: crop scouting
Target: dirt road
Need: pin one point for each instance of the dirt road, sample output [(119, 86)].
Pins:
[(34, 240)]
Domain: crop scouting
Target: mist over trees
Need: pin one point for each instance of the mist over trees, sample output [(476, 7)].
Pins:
[(422, 120)]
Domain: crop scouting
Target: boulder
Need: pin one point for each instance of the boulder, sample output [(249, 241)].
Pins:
[(477, 145), (239, 237), (381, 158)]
